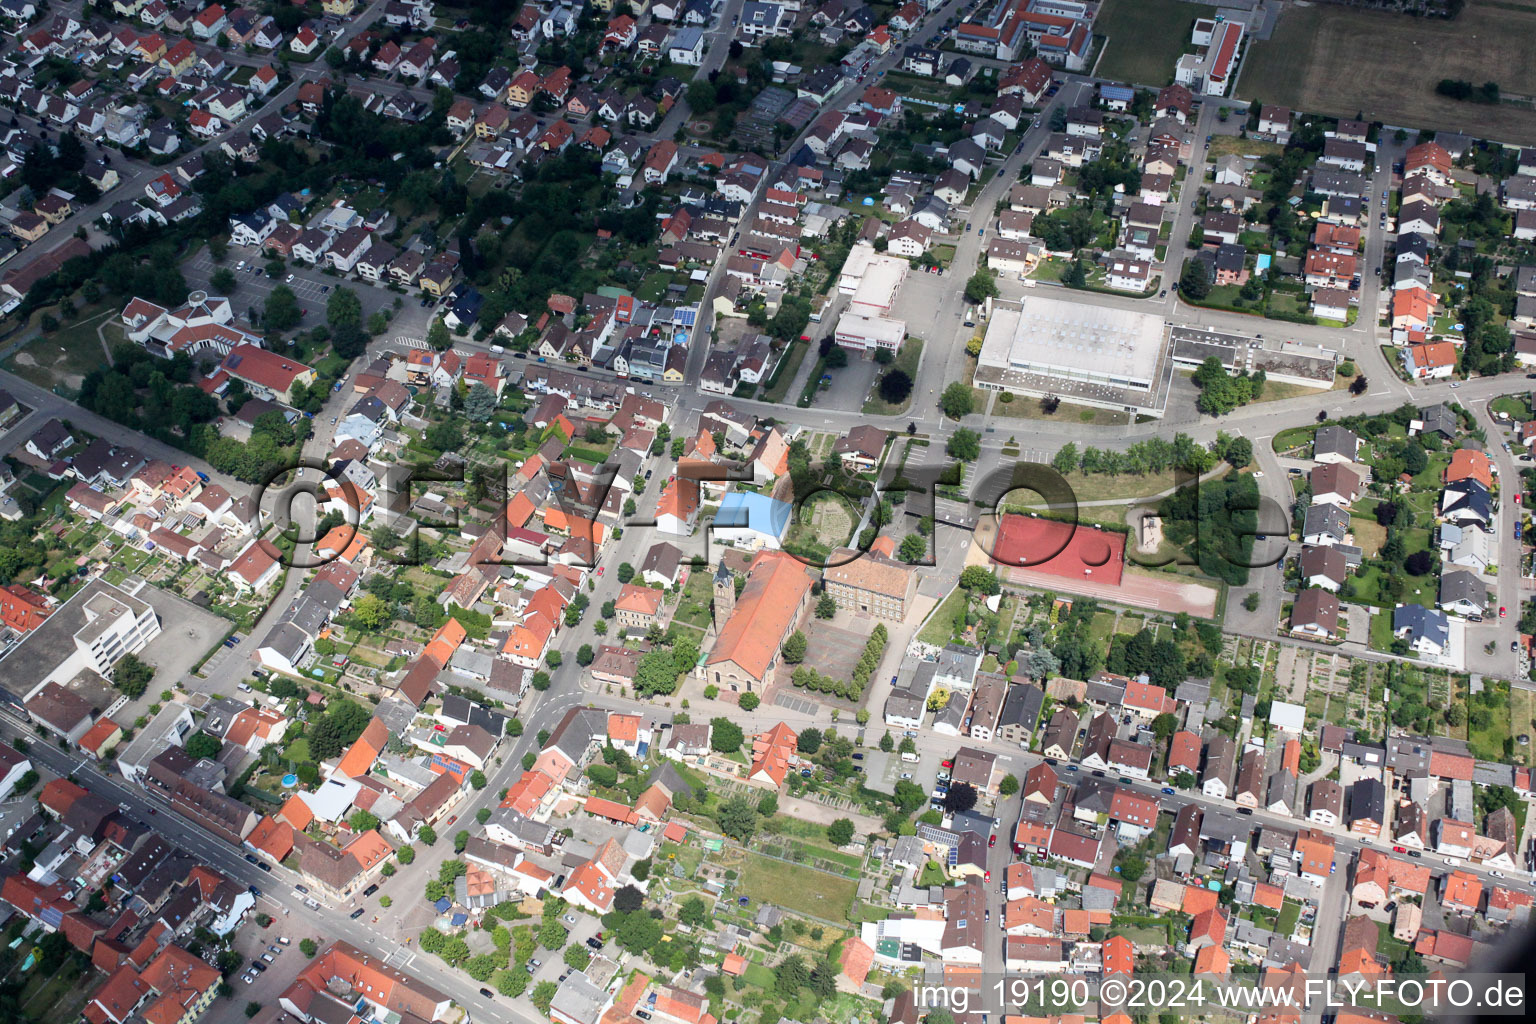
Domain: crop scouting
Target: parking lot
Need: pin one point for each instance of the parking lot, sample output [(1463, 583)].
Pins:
[(310, 284), (253, 942)]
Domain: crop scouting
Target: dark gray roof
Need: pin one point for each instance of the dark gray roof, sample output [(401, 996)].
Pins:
[(1326, 519), (1022, 706), (1332, 439), (1460, 585)]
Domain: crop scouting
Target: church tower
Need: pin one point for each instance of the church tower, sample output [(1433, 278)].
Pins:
[(725, 595)]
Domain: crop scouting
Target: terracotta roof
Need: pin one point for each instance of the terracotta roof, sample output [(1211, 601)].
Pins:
[(638, 599), (359, 758), (763, 614)]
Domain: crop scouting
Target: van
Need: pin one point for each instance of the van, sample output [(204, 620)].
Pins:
[(243, 688), (498, 349), (909, 757)]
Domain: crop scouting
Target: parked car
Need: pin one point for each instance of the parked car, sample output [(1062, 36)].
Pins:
[(359, 912), (371, 890)]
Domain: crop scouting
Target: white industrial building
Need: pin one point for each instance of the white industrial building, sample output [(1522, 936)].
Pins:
[(868, 333), (1088, 354)]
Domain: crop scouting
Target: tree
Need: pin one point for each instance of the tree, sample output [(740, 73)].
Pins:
[(437, 335), (477, 779), (362, 821), (895, 386), (980, 579), (627, 899), (343, 309), (281, 311), (840, 832), (1008, 786), (427, 835), (576, 957), (791, 975), (693, 912), (738, 818), (406, 854), (371, 613), (544, 994), (552, 934), (585, 655), (965, 445), (748, 701), (956, 400), (202, 745), (914, 548), (1132, 867), (886, 743), (132, 676), (1164, 726), (794, 648), (809, 741), (826, 607), (961, 797), (1195, 281), (725, 735), (625, 572), (308, 947), (980, 287), (223, 281), (479, 403)]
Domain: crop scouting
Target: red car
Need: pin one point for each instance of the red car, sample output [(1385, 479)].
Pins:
[(1502, 612), (602, 569), (1399, 849), (948, 764), (992, 842)]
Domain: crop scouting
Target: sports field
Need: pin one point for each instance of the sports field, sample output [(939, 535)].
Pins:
[(1164, 592), (1339, 60), (1144, 38)]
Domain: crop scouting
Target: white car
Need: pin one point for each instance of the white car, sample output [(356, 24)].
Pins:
[(290, 279)]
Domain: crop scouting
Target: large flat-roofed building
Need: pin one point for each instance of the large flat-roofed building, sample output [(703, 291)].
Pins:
[(1286, 362), (868, 333), (1088, 354), (872, 279), (92, 630)]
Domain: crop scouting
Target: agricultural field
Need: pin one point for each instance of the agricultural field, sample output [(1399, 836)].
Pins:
[(1343, 61), (1144, 38)]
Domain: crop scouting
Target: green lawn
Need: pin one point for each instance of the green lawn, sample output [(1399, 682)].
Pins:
[(784, 374), (1290, 913), (940, 626), (907, 358), (797, 888), (1381, 631)]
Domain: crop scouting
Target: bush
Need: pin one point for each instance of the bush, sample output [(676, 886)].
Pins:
[(308, 947)]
